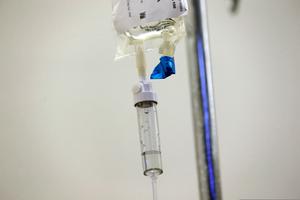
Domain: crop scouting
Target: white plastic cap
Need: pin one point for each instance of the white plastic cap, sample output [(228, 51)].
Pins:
[(143, 92)]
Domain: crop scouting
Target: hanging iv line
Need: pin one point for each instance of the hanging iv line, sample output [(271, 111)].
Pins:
[(145, 101)]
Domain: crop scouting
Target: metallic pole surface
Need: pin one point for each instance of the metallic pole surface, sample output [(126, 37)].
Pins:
[(203, 102)]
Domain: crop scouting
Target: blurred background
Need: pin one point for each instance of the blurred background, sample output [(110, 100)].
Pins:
[(68, 128)]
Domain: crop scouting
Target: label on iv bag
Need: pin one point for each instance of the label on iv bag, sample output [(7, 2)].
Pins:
[(130, 13)]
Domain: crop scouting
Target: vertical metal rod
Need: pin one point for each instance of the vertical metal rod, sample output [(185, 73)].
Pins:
[(203, 103)]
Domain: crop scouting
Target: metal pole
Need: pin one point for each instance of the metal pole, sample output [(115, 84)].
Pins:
[(203, 102)]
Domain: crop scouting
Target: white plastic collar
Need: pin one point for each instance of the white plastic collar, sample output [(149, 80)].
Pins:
[(143, 92)]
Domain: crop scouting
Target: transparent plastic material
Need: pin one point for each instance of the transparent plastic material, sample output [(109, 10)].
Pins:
[(149, 138), (162, 35)]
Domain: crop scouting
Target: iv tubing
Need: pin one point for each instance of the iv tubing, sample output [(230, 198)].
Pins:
[(140, 61)]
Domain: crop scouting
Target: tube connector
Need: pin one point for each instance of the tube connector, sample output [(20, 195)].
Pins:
[(167, 48), (143, 91)]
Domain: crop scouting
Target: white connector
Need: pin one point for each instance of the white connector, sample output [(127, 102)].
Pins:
[(143, 91)]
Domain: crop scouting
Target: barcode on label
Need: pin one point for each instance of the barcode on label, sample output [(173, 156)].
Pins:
[(143, 15), (174, 4), (180, 6), (131, 13)]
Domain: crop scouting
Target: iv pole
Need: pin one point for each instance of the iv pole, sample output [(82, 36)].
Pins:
[(203, 102)]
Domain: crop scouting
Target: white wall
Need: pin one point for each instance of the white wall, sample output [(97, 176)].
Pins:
[(68, 129), (256, 57)]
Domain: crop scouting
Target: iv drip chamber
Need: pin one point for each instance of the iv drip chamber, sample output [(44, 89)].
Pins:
[(145, 103)]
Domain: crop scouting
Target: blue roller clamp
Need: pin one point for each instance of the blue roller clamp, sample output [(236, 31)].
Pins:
[(164, 69)]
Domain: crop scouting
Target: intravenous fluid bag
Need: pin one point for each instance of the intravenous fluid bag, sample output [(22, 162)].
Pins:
[(156, 24)]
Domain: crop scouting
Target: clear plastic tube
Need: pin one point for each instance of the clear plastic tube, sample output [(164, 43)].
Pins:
[(154, 187), (149, 138), (140, 61)]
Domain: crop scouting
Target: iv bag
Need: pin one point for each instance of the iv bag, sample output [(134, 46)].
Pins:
[(157, 24)]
